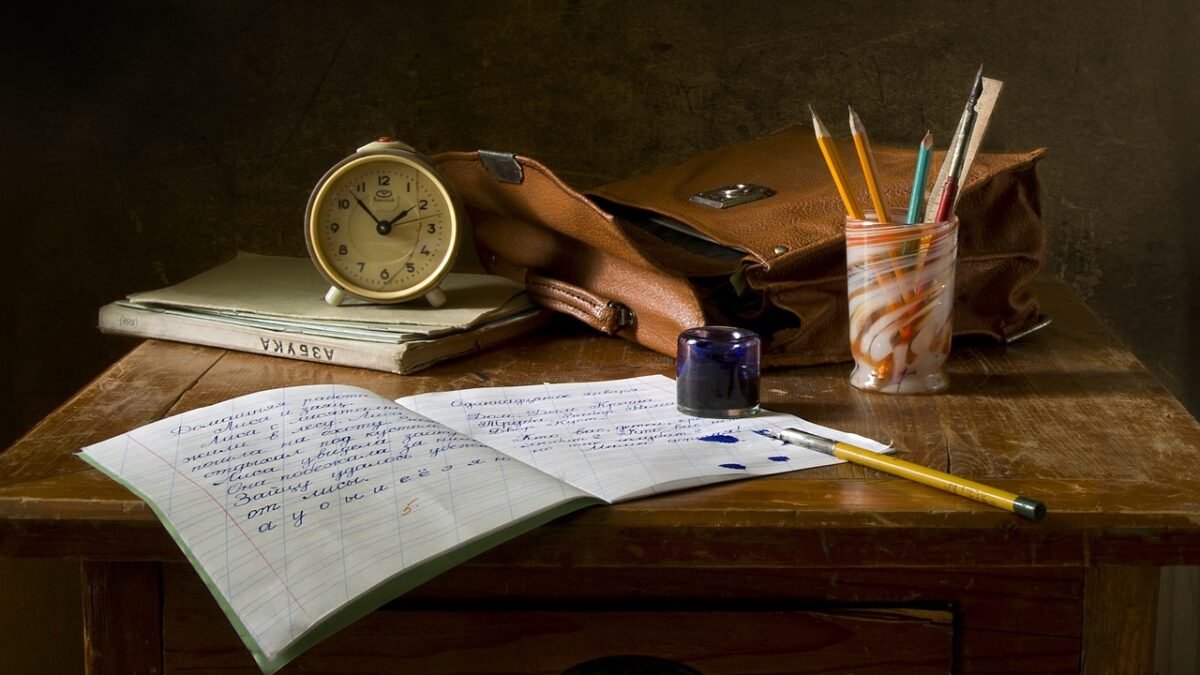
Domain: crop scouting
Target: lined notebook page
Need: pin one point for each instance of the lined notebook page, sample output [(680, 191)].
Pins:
[(305, 508), (623, 438), (293, 502)]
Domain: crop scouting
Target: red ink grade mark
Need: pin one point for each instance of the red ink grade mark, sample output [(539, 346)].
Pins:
[(408, 508)]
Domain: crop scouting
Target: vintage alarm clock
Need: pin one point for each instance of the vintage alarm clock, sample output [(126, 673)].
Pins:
[(382, 226)]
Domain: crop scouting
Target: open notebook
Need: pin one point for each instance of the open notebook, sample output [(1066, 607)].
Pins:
[(305, 508)]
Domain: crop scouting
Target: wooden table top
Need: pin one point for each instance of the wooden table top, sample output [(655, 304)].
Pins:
[(1067, 416)]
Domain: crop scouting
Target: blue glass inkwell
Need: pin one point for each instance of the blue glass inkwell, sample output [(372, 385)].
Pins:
[(716, 372)]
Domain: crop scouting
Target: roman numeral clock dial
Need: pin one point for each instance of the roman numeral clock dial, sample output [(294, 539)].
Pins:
[(382, 226)]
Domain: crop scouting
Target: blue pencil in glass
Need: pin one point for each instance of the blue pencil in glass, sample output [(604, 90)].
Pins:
[(916, 203)]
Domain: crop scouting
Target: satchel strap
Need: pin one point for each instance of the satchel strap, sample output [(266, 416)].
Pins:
[(606, 316)]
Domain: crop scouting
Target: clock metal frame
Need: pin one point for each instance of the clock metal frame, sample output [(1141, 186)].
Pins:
[(369, 154)]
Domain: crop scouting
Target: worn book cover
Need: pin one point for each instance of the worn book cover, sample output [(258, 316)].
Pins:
[(274, 306)]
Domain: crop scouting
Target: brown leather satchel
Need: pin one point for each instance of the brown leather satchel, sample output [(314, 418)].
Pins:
[(761, 245)]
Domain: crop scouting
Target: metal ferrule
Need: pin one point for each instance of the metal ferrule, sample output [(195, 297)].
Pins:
[(807, 440)]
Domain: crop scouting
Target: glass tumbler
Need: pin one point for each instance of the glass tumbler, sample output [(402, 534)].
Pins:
[(900, 285)]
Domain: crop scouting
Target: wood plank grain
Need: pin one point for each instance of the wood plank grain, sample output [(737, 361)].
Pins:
[(136, 390), (781, 521), (1120, 607), (527, 639), (992, 607), (122, 618), (1067, 416), (985, 599), (1018, 413)]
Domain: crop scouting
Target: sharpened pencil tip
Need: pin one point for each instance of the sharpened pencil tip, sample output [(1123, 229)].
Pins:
[(927, 140), (855, 122), (817, 125)]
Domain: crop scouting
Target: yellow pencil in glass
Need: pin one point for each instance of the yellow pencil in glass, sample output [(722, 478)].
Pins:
[(1025, 507), (867, 160), (834, 161)]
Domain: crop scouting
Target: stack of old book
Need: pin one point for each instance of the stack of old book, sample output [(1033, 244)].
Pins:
[(274, 305)]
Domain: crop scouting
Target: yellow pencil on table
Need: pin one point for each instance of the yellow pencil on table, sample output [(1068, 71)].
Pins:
[(834, 161), (867, 160), (1025, 507)]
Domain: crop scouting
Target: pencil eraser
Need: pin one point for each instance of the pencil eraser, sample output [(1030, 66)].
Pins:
[(717, 372)]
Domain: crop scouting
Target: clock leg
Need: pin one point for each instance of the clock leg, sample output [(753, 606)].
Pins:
[(436, 297), (334, 296)]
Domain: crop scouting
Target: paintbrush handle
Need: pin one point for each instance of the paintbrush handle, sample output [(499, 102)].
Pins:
[(946, 204)]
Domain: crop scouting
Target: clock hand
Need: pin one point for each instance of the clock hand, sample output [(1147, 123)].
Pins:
[(400, 215), (416, 219), (381, 227), (385, 226)]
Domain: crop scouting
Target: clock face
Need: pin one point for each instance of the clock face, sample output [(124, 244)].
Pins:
[(382, 227)]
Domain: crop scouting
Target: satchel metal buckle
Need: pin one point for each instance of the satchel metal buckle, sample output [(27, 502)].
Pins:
[(732, 195), (624, 317)]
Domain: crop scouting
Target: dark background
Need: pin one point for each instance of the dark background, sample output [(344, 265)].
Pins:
[(144, 142), (147, 141)]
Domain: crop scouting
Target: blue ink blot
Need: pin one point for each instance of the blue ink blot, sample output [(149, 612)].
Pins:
[(720, 438), (739, 467), (764, 432), (780, 458)]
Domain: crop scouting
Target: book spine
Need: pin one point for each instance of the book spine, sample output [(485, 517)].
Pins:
[(119, 320)]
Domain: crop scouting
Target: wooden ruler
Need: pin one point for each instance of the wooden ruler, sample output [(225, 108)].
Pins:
[(983, 114)]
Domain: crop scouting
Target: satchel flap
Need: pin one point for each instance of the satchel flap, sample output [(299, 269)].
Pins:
[(805, 213), (571, 255), (540, 197)]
